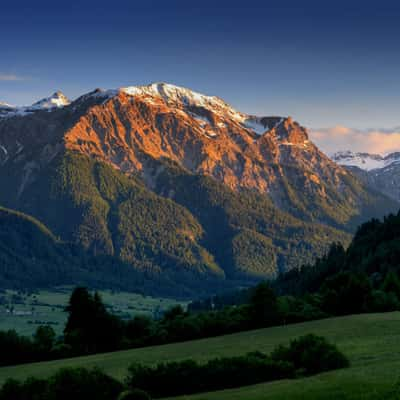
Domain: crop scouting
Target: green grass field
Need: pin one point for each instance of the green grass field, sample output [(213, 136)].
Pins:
[(371, 341), (24, 312)]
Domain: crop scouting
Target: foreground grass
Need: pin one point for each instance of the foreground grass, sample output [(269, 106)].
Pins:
[(371, 342)]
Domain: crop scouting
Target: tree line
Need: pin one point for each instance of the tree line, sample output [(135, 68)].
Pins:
[(91, 329), (307, 355), (362, 278)]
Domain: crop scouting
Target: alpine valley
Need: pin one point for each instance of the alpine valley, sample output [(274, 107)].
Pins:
[(166, 190)]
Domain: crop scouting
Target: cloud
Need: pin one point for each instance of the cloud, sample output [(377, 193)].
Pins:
[(338, 138), (11, 77)]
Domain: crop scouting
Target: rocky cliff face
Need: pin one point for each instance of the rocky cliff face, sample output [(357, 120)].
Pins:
[(131, 127), (178, 184)]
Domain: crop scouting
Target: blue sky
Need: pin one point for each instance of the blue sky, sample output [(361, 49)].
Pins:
[(325, 63)]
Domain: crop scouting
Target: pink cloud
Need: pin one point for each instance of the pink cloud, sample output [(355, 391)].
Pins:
[(338, 138)]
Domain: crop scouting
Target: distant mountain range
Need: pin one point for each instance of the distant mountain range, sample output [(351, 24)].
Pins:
[(177, 186), (381, 173), (57, 100)]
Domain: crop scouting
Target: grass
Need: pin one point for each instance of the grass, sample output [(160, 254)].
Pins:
[(371, 341), (24, 312)]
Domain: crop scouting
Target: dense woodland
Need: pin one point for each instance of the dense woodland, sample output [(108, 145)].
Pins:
[(362, 278), (99, 227)]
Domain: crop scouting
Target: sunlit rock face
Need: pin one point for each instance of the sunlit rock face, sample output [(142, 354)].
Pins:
[(135, 127)]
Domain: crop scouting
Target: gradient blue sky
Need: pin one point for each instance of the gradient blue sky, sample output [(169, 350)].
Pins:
[(325, 63)]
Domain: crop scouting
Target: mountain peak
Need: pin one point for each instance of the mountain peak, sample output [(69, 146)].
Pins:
[(165, 90), (180, 96), (138, 129), (56, 100), (4, 105)]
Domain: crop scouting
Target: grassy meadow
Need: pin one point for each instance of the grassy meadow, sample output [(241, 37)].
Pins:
[(24, 312), (370, 341)]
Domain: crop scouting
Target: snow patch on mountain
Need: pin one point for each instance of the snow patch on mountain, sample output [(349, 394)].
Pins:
[(365, 161), (203, 121), (56, 100), (178, 96), (255, 125)]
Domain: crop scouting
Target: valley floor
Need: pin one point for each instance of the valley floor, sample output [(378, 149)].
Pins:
[(24, 312), (371, 342)]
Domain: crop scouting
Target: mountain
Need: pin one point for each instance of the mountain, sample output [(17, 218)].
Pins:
[(32, 256), (208, 233), (56, 100), (382, 173), (179, 185), (366, 161), (132, 127)]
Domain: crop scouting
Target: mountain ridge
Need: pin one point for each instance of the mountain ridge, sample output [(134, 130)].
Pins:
[(180, 185)]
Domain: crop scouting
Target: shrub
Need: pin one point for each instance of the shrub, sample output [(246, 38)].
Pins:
[(134, 394), (307, 355), (12, 389), (82, 384), (166, 379), (67, 384), (311, 354), (222, 373)]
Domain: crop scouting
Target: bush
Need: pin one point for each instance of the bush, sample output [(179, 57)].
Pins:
[(186, 377), (305, 356), (223, 373), (67, 384), (311, 354), (12, 389), (166, 379), (134, 394), (82, 384)]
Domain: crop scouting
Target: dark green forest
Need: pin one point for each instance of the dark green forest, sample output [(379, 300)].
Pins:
[(99, 226), (360, 279)]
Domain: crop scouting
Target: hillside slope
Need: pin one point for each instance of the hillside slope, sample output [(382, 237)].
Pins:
[(180, 186), (374, 251), (370, 341), (205, 231), (31, 256)]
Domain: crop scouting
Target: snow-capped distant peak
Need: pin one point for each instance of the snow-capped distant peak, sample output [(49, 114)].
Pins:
[(365, 161), (56, 100), (6, 109), (6, 105)]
